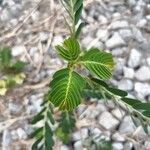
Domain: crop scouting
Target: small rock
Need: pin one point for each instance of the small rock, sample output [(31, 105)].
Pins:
[(126, 34), (118, 113), (14, 135), (76, 136), (57, 40), (64, 147), (14, 108), (128, 72), (96, 132), (6, 140), (78, 145), (118, 137), (118, 25), (134, 58), (102, 19), (148, 61), (131, 2), (21, 133), (127, 126), (43, 36), (142, 89), (128, 145), (102, 34), (5, 15), (137, 34), (18, 50), (108, 121), (125, 84), (115, 41), (143, 73), (141, 23), (147, 145), (117, 146), (84, 133), (87, 40)]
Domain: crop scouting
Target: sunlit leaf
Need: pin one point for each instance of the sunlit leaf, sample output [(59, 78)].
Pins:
[(66, 88), (99, 63)]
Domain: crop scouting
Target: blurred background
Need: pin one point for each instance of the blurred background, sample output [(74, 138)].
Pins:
[(30, 29)]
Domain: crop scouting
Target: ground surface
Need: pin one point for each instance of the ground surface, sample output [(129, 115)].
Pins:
[(32, 28)]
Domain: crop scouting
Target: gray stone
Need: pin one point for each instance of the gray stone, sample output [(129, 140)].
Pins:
[(128, 72), (43, 36), (102, 34), (6, 140), (147, 145), (117, 146), (14, 108), (148, 61), (142, 89), (57, 40), (118, 137), (131, 2), (141, 23), (96, 132), (127, 126), (21, 133), (134, 58), (115, 41), (64, 147), (87, 40), (137, 34), (108, 121), (126, 34), (5, 15), (118, 113), (128, 145), (84, 133), (18, 50), (118, 25), (78, 145), (76, 136), (143, 73), (125, 84), (14, 135)]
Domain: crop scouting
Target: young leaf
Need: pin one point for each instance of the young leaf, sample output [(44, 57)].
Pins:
[(48, 137), (18, 66), (66, 88), (77, 5), (99, 63), (142, 106), (70, 49), (36, 132), (130, 101), (79, 30), (118, 92), (37, 118), (36, 143), (78, 14), (100, 82), (5, 57), (146, 113)]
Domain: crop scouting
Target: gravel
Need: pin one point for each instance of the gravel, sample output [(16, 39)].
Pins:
[(108, 121), (117, 26)]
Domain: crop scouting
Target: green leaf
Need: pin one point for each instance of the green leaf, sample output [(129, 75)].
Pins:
[(100, 82), (18, 66), (78, 14), (70, 49), (36, 132), (49, 115), (36, 143), (118, 92), (146, 113), (37, 118), (99, 63), (79, 29), (48, 137), (77, 5), (5, 57), (89, 93), (66, 126), (66, 88), (142, 106), (130, 101)]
